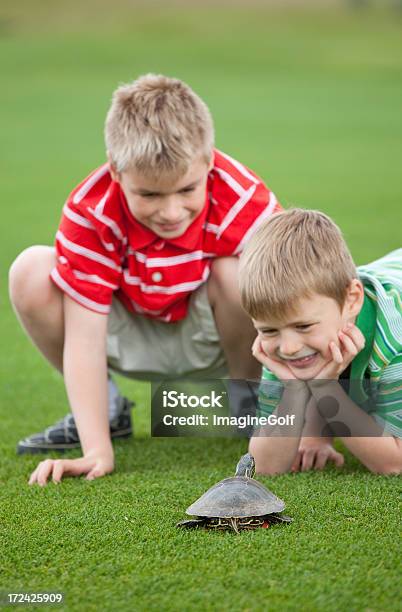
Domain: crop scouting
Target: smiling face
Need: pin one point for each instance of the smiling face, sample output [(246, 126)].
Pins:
[(301, 341), (166, 206)]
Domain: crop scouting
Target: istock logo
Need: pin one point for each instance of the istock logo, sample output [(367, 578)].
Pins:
[(172, 399)]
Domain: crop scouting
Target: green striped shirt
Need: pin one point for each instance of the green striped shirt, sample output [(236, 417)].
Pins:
[(380, 321)]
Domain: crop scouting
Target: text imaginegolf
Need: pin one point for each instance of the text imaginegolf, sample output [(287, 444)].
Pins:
[(241, 422)]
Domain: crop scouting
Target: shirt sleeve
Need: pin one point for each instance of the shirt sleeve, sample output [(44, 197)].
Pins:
[(250, 208), (388, 412), (269, 393), (89, 257)]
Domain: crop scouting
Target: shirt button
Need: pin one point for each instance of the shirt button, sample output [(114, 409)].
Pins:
[(156, 277), (159, 245)]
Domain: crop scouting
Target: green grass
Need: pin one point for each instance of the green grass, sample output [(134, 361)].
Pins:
[(311, 101)]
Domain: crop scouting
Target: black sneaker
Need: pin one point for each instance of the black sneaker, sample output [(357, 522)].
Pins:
[(64, 435)]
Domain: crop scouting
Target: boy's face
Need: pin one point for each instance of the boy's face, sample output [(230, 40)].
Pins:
[(301, 342), (165, 206)]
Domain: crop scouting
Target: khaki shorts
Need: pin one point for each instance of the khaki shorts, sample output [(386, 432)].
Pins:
[(145, 349)]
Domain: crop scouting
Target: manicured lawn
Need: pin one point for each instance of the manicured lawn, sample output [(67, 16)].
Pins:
[(309, 100)]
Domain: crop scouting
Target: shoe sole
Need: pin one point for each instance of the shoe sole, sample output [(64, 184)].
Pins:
[(26, 449)]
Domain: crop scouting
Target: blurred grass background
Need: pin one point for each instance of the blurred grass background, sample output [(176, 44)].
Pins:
[(309, 97)]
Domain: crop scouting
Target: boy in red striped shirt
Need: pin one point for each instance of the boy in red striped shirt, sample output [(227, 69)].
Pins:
[(150, 239)]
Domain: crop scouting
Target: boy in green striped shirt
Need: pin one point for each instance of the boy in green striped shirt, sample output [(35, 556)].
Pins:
[(330, 342)]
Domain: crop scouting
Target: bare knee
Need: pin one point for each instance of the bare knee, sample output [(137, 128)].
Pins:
[(29, 284), (223, 280)]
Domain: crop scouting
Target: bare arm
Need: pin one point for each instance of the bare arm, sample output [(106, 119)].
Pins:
[(379, 453), (275, 448), (85, 376), (363, 436), (274, 452)]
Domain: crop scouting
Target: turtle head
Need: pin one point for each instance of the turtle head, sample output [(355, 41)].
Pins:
[(246, 466)]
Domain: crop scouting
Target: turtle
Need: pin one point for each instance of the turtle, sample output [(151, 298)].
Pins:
[(236, 503)]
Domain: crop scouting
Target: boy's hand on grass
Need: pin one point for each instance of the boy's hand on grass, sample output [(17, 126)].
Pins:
[(315, 453), (93, 465), (351, 343), (279, 369)]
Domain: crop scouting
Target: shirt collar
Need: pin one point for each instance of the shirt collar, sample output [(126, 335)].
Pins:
[(143, 237)]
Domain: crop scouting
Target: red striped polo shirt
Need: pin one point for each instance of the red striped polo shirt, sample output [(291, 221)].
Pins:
[(102, 249)]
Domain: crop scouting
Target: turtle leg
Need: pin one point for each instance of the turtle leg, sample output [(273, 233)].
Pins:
[(278, 518), (233, 522), (192, 523)]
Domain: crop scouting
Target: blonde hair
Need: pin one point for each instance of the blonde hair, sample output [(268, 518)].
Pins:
[(157, 124), (294, 254)]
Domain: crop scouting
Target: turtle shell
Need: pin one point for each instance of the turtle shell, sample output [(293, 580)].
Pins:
[(236, 497)]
